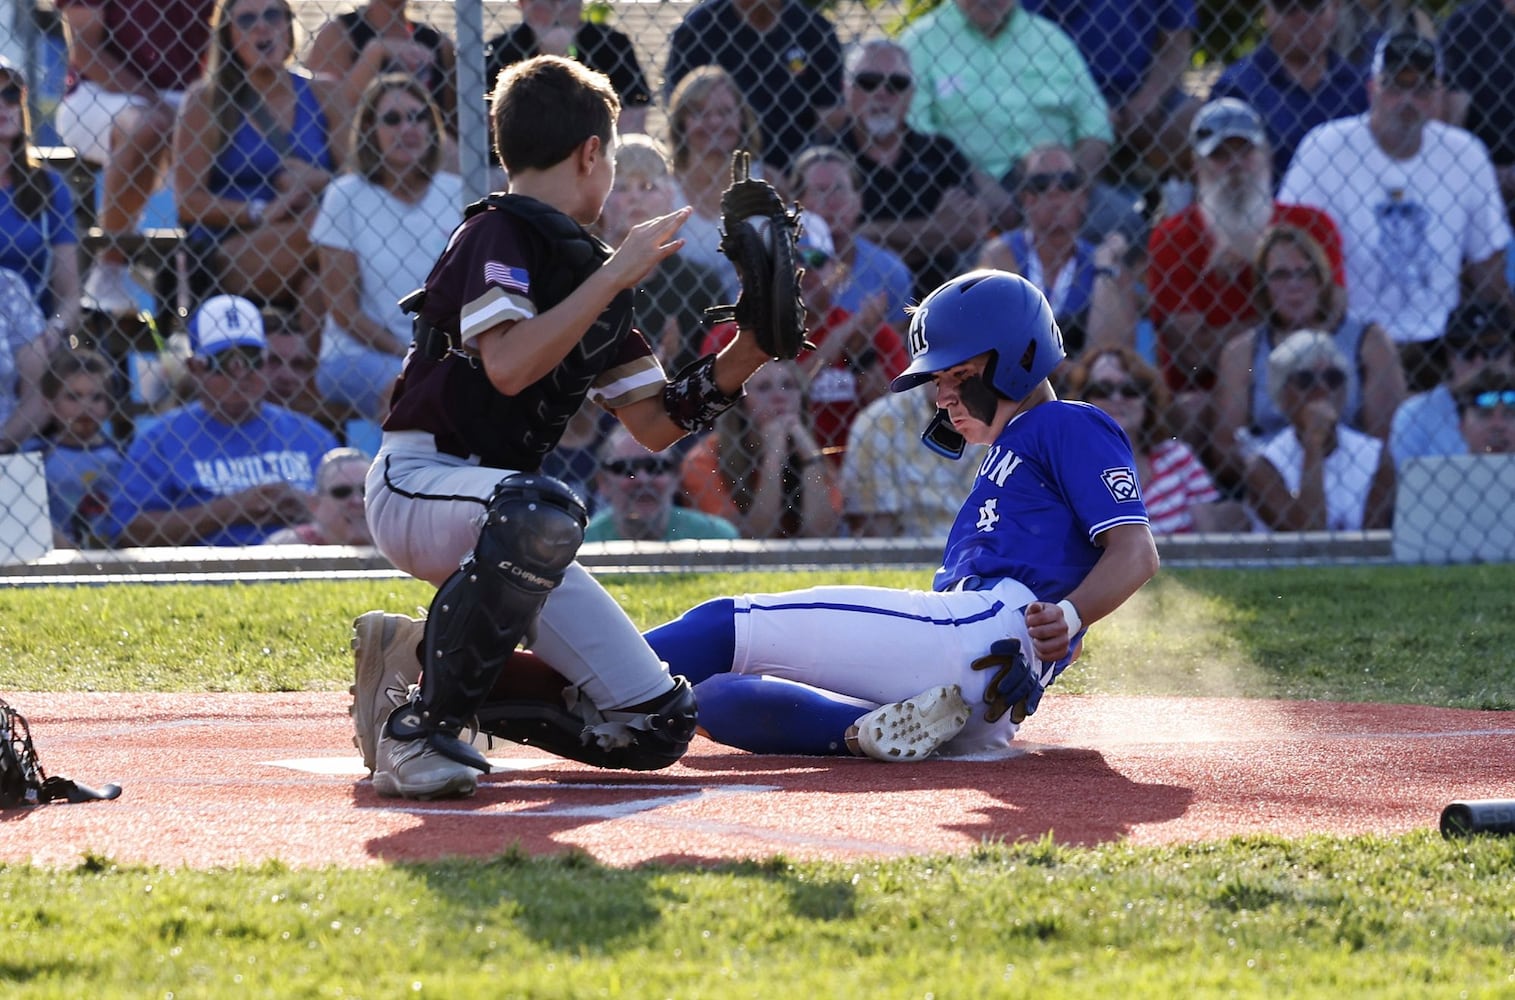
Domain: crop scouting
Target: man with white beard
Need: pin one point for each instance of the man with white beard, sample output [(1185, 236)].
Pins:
[(1200, 259), (922, 197)]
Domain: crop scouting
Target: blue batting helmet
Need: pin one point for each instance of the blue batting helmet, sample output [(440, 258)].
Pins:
[(985, 311)]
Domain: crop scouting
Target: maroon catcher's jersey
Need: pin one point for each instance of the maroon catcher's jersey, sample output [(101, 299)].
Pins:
[(494, 271)]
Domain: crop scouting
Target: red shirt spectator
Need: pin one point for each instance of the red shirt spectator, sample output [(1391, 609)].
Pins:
[(162, 41), (1180, 280)]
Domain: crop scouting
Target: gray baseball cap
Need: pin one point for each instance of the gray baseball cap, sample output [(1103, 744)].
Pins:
[(1226, 118)]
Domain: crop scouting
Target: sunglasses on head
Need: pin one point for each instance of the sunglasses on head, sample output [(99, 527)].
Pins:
[(11, 93), (1109, 390), (222, 362), (272, 16), (395, 118), (1063, 180), (652, 465), (1307, 378), (344, 491), (895, 83)]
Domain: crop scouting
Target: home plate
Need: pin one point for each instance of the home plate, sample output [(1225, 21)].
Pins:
[(353, 766)]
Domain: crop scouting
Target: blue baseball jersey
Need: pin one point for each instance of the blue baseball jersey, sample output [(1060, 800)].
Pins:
[(1057, 476), (189, 458)]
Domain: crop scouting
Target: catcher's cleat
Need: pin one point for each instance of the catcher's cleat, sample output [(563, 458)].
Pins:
[(417, 769), (912, 729), (386, 663)]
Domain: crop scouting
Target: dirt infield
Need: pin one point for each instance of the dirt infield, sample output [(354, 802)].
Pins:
[(214, 780)]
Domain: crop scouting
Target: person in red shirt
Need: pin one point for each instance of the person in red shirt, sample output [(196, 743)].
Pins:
[(1200, 274)]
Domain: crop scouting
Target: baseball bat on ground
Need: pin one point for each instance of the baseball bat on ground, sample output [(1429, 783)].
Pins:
[(1463, 819)]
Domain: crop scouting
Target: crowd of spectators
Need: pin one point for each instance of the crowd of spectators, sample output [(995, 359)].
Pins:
[(1283, 278)]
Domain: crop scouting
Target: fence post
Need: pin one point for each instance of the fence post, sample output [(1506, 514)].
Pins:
[(473, 117)]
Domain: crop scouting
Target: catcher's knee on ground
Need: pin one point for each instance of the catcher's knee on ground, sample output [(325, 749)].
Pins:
[(643, 737), (533, 527)]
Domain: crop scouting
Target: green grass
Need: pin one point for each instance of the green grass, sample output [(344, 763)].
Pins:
[(1435, 636), (1406, 916), (1415, 916)]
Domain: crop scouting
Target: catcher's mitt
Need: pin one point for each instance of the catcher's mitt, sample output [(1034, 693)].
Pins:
[(766, 261)]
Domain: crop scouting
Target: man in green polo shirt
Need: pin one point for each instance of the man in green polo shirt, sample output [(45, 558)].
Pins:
[(1000, 81), (638, 487)]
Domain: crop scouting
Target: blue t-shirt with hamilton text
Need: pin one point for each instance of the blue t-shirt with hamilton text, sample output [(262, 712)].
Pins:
[(188, 458), (1056, 477)]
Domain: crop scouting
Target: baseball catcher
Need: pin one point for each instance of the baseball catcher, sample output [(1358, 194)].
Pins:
[(759, 235)]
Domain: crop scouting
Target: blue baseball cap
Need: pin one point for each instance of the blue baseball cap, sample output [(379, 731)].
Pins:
[(225, 321)]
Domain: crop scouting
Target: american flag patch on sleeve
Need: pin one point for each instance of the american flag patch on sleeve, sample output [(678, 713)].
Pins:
[(514, 278)]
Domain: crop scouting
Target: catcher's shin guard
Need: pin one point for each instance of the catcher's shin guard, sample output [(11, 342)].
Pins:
[(533, 527), (647, 738)]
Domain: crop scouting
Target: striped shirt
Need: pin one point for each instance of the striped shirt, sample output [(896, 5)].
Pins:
[(1176, 482)]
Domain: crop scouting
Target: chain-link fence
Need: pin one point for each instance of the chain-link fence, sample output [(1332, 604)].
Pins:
[(1276, 237)]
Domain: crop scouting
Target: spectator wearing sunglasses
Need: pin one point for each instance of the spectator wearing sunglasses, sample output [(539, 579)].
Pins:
[(1317, 474), (377, 232), (229, 468), (1092, 290), (1294, 292), (1180, 495), (921, 197), (1486, 413), (336, 508), (257, 141), (1478, 340), (638, 488)]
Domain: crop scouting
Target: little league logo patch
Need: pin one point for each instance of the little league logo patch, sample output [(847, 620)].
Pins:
[(1122, 484)]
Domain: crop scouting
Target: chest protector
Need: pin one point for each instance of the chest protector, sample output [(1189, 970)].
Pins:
[(464, 411)]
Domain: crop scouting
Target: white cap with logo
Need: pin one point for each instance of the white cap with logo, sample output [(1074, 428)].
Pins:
[(225, 321)]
